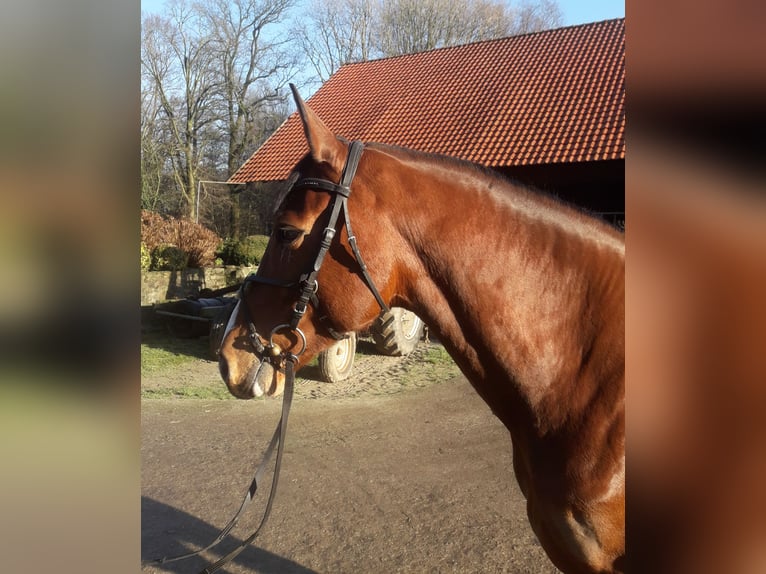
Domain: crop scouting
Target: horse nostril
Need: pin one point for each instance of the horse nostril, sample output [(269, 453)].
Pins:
[(223, 368)]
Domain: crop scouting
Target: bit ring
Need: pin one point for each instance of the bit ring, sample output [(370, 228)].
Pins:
[(284, 326)]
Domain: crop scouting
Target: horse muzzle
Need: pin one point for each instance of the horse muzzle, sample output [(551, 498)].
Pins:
[(259, 372), (264, 378), (257, 378)]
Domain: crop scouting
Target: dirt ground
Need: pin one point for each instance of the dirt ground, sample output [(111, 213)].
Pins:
[(386, 472)]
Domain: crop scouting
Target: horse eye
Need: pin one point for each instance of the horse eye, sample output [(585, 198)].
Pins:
[(288, 235)]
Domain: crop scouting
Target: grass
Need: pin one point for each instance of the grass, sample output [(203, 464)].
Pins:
[(217, 392), (436, 365), (160, 351), (437, 355)]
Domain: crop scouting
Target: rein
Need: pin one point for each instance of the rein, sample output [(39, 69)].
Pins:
[(273, 354)]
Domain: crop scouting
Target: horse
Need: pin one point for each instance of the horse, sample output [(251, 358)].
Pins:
[(525, 293)]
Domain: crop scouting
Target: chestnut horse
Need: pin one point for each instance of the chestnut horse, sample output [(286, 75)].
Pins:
[(525, 293)]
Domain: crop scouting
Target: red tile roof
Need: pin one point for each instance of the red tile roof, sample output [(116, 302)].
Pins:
[(549, 97)]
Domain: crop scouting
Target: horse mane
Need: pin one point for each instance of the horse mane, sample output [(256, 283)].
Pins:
[(502, 186), (496, 184)]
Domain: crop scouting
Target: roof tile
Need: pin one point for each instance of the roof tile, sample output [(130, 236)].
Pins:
[(548, 97)]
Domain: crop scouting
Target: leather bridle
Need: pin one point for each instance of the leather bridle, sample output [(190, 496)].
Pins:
[(271, 353), (308, 284)]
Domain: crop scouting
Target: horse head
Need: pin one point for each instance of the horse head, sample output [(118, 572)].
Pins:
[(310, 286)]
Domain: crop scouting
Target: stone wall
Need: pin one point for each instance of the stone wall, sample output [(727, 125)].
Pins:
[(159, 286)]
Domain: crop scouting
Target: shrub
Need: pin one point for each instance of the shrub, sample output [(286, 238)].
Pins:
[(196, 241), (231, 252), (146, 257), (154, 230), (169, 258), (256, 246), (249, 251)]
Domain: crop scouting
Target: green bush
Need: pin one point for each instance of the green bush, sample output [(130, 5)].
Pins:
[(169, 258), (248, 251), (256, 246), (231, 252), (146, 257)]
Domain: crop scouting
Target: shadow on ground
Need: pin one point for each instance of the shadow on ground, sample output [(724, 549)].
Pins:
[(198, 347), (167, 531)]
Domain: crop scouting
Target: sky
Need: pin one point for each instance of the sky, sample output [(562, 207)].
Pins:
[(579, 12), (573, 11)]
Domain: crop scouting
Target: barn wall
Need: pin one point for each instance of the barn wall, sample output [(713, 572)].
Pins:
[(595, 186)]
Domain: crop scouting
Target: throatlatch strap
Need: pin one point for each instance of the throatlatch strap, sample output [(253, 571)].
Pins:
[(358, 256), (352, 163)]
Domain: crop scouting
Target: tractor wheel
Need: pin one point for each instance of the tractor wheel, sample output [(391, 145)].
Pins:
[(336, 363), (397, 333)]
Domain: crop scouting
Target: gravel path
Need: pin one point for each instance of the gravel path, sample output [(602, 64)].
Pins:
[(385, 472)]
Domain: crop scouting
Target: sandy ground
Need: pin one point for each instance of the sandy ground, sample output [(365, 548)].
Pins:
[(382, 473)]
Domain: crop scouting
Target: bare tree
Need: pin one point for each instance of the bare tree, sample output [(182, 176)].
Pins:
[(336, 32), (252, 68), (177, 64), (531, 16), (212, 81), (408, 26), (152, 154)]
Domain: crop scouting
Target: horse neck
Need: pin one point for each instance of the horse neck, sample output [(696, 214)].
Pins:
[(515, 286)]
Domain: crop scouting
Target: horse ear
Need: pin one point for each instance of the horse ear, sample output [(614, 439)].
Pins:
[(324, 146)]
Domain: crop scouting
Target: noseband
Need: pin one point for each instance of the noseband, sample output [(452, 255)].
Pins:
[(309, 286)]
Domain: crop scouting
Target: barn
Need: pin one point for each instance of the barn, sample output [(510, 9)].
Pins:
[(546, 109)]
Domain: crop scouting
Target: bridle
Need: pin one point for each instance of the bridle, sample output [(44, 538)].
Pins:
[(270, 352), (308, 284)]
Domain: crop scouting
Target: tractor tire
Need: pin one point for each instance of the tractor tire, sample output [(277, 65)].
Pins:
[(336, 363), (397, 333)]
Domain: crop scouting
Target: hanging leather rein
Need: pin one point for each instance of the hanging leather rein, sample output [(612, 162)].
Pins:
[(271, 353)]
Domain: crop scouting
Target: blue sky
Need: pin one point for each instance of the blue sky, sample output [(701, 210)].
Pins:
[(580, 12), (573, 11)]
